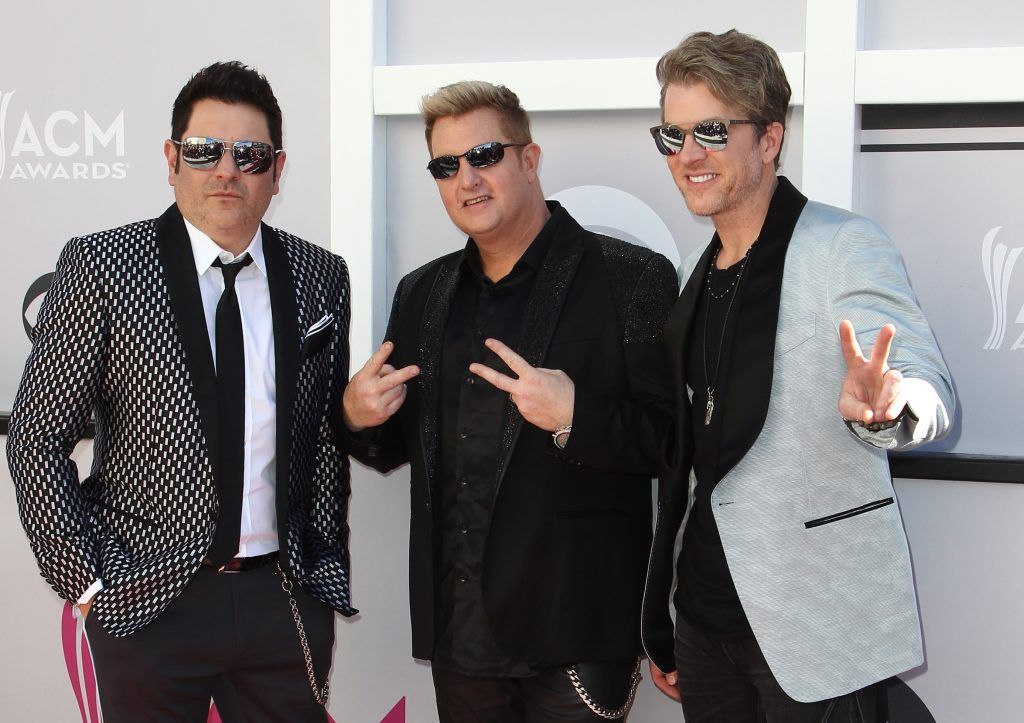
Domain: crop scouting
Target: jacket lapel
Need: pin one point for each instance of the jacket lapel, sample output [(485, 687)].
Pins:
[(540, 319), (431, 342), (750, 344), (179, 266), (287, 344), (677, 335)]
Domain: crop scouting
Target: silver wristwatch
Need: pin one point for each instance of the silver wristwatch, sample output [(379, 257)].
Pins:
[(561, 436)]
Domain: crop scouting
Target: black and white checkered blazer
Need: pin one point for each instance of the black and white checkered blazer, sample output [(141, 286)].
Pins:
[(121, 339)]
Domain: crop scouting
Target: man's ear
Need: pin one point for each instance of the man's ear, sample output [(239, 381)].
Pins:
[(171, 154), (531, 160), (277, 170), (771, 142)]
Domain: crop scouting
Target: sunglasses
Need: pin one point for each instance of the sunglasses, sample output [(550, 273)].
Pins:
[(481, 156), (203, 153), (711, 135)]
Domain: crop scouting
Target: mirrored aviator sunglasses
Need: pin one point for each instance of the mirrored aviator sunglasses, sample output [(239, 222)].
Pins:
[(481, 156), (203, 153), (711, 135)]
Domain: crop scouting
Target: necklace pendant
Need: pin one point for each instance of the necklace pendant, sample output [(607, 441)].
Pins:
[(710, 408)]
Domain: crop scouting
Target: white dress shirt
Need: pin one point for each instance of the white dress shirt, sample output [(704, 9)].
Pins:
[(259, 511)]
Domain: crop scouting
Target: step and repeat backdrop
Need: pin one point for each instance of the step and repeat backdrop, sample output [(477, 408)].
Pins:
[(85, 99)]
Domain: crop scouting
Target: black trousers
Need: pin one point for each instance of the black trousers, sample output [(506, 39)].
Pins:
[(229, 637), (548, 697), (729, 680)]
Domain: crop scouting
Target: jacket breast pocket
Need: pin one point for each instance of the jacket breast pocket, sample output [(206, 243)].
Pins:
[(794, 332), (315, 343)]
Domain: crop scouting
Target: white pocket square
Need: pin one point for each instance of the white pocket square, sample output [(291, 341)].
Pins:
[(324, 323)]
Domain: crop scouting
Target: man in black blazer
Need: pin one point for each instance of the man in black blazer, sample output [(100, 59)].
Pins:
[(211, 351), (523, 380)]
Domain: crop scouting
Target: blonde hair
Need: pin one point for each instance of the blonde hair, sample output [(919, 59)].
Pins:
[(738, 69), (469, 95)]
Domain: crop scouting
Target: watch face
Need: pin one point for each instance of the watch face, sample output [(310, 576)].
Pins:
[(561, 437)]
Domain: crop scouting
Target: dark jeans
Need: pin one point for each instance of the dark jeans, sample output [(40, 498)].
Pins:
[(544, 698), (227, 636), (729, 680)]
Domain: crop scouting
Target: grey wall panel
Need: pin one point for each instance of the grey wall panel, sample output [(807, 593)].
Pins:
[(418, 33), (911, 24)]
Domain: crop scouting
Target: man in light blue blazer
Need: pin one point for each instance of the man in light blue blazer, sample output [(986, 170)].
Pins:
[(799, 357)]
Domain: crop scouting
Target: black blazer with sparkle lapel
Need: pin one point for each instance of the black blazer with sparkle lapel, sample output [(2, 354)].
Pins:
[(572, 525)]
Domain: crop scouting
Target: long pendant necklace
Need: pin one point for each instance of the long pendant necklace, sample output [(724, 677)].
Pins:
[(732, 292)]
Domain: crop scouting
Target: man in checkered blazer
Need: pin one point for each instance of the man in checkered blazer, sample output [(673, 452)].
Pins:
[(210, 350)]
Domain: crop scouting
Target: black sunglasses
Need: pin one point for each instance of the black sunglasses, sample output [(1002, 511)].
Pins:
[(250, 156), (481, 156), (711, 135)]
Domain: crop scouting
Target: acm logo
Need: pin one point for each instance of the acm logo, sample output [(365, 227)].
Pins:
[(63, 145), (997, 263)]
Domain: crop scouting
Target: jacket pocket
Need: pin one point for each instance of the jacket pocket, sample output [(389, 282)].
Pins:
[(315, 343), (794, 333), (829, 519), (124, 513)]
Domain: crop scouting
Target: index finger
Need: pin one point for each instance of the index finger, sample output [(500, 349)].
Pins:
[(515, 362), (883, 343), (397, 377), (376, 361), (848, 340)]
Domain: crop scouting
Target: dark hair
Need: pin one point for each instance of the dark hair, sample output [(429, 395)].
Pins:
[(230, 82)]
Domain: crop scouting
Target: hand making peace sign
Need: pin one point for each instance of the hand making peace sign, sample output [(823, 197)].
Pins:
[(872, 391), (545, 397), (376, 391)]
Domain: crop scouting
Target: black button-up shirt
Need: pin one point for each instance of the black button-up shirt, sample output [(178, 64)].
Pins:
[(472, 412)]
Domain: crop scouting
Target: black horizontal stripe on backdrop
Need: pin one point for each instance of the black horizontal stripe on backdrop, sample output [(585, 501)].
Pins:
[(952, 466)]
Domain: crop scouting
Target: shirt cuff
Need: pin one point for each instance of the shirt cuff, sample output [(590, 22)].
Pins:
[(89, 594)]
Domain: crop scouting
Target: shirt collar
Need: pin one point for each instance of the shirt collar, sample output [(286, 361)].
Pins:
[(536, 252), (205, 251)]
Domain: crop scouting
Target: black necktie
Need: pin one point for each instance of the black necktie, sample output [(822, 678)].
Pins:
[(230, 415)]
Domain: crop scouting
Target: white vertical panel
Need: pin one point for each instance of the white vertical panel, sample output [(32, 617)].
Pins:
[(358, 153), (831, 121)]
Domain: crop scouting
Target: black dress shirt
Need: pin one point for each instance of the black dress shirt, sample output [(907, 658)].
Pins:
[(471, 419)]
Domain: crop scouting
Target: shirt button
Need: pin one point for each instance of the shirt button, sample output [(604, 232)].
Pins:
[(463, 578), (464, 530), (464, 481), (463, 434), (470, 380)]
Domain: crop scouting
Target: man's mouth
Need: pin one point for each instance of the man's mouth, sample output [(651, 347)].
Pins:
[(704, 178), (475, 201)]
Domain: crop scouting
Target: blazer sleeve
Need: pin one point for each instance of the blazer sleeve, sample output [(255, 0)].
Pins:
[(58, 393), (868, 284), (627, 434)]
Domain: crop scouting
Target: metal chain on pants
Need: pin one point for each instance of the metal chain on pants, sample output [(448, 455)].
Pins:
[(597, 708), (319, 694)]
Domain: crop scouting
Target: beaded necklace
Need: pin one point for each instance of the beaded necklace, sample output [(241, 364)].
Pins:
[(730, 291)]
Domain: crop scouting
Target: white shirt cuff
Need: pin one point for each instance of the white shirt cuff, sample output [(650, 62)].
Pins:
[(88, 595)]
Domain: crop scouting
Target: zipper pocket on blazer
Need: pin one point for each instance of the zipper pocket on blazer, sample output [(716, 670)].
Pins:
[(849, 513)]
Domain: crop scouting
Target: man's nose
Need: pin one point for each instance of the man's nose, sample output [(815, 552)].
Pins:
[(468, 175), (226, 165), (691, 151)]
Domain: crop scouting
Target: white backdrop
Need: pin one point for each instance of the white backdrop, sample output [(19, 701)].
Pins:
[(106, 75)]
